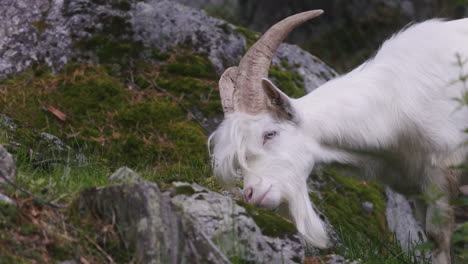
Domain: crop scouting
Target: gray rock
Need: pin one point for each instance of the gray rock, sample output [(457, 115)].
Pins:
[(70, 261), (230, 227), (401, 221), (367, 206), (125, 175), (208, 3), (8, 170), (336, 259), (146, 220), (42, 31), (7, 165), (46, 150), (54, 142), (463, 190), (220, 40), (6, 199), (314, 71), (165, 24), (18, 36), (7, 122), (195, 226)]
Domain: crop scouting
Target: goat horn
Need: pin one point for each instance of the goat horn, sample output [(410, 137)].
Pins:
[(248, 93)]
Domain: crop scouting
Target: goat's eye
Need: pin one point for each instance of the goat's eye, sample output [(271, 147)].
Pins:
[(268, 136)]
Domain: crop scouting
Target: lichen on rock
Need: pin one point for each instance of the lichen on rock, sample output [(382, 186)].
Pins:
[(242, 232)]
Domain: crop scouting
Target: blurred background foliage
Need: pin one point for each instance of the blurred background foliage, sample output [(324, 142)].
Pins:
[(350, 30)]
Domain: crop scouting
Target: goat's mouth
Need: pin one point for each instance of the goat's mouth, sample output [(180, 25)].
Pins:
[(262, 197)]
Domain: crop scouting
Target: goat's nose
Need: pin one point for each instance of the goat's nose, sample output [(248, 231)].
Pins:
[(248, 193)]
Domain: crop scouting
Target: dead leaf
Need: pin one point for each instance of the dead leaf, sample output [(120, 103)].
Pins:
[(59, 114)]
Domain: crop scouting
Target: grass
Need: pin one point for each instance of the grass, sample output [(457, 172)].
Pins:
[(148, 128), (365, 236), (372, 250), (32, 232)]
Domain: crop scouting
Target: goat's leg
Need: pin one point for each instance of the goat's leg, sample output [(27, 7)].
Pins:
[(439, 226), (439, 215)]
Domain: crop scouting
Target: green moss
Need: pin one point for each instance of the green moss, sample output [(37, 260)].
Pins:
[(97, 92), (225, 27), (109, 49), (162, 56), (191, 65), (271, 224), (124, 5), (342, 205), (250, 36), (289, 81), (188, 139), (8, 215), (151, 126), (112, 44), (223, 12), (184, 190), (91, 229), (40, 25)]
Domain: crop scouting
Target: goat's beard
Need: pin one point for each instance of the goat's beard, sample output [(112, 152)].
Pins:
[(307, 221)]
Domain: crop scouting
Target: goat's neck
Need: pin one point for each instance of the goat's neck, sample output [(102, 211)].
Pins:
[(341, 117)]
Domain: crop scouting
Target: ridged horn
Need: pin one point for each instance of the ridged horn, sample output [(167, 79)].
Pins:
[(248, 95)]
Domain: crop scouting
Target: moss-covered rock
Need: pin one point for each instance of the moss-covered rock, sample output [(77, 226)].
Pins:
[(289, 81), (147, 224), (242, 232), (147, 126), (250, 36), (341, 202)]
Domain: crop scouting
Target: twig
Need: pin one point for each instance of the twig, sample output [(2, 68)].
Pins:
[(108, 257), (42, 201)]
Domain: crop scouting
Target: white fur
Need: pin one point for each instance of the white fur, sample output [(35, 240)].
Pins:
[(395, 118)]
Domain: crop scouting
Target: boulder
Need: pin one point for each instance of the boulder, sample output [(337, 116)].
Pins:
[(7, 165), (401, 221), (52, 32), (125, 175), (7, 170), (191, 224), (6, 199), (241, 231), (146, 220)]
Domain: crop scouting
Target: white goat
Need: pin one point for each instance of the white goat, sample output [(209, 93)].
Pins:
[(395, 118)]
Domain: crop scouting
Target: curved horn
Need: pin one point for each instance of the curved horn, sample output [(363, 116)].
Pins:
[(248, 93)]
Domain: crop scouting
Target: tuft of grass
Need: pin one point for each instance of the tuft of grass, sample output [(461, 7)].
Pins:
[(271, 224), (341, 203), (371, 251), (137, 128), (365, 236)]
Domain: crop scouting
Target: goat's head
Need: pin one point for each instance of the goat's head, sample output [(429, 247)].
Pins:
[(261, 139)]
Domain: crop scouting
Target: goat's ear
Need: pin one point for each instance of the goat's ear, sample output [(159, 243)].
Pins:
[(278, 103)]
